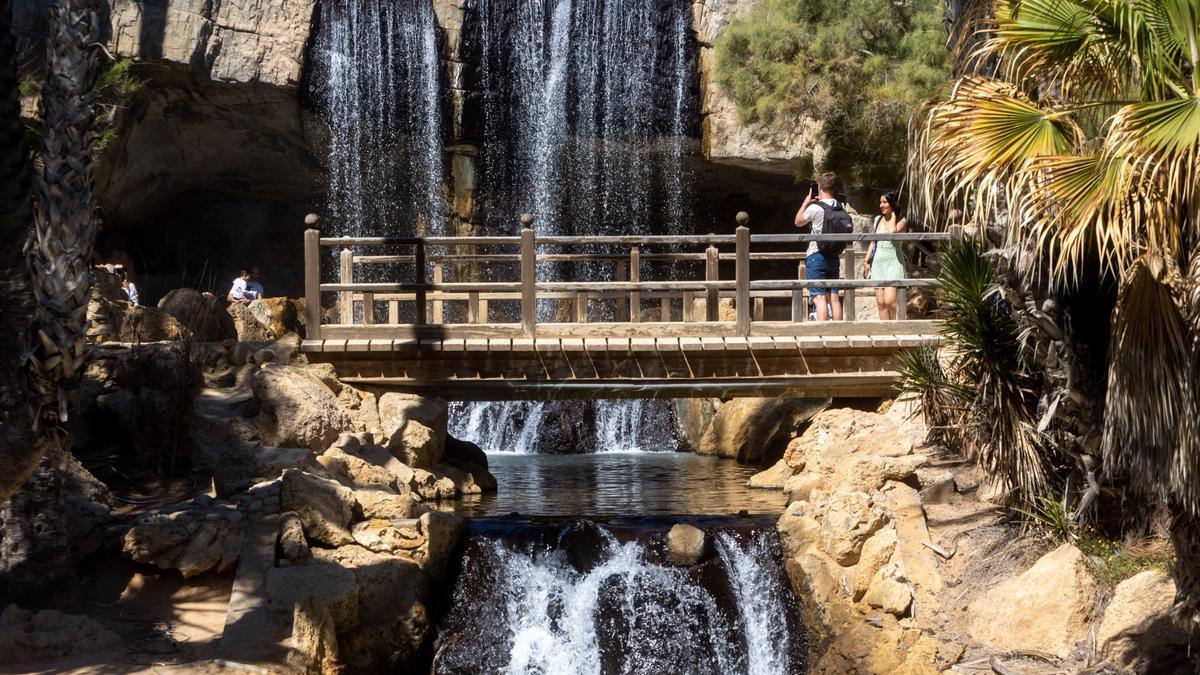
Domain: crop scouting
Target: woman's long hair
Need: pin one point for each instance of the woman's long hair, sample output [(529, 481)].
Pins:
[(894, 202)]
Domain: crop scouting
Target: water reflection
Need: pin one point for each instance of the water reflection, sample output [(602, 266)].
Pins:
[(615, 484)]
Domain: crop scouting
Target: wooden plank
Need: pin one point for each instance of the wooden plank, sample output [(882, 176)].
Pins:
[(406, 345), (571, 344), (690, 344), (454, 345), (522, 344), (618, 344), (346, 298), (548, 345), (358, 345), (761, 343), (667, 344), (595, 344), (835, 341), (429, 345), (333, 346), (475, 345), (713, 344), (860, 341), (528, 282), (378, 345), (642, 344), (499, 345), (742, 278), (313, 346), (736, 344)]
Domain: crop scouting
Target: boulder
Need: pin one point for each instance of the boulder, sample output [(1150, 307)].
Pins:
[(686, 544), (834, 435), (773, 478), (192, 541), (386, 536), (470, 459), (388, 506), (292, 544), (264, 320), (442, 531), (321, 580), (888, 594), (1137, 632), (848, 519), (803, 486), (356, 473), (757, 430), (314, 639), (325, 508), (49, 634), (415, 427), (876, 551), (692, 417), (1046, 608), (297, 410), (200, 313)]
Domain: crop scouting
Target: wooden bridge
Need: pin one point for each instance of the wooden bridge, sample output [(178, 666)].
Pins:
[(467, 318)]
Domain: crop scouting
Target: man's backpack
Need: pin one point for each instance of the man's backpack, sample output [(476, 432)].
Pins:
[(837, 221)]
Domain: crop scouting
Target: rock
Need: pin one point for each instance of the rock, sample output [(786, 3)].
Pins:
[(193, 542), (912, 533), (757, 430), (214, 546), (692, 417), (464, 483), (379, 504), (324, 507), (1046, 608), (459, 453), (442, 531), (292, 544), (155, 540), (385, 536), (355, 473), (937, 485), (296, 409), (264, 320), (1137, 632), (686, 544), (200, 313), (848, 520), (803, 486), (834, 435), (321, 580), (773, 478), (889, 595), (415, 428), (50, 634), (876, 551), (314, 639)]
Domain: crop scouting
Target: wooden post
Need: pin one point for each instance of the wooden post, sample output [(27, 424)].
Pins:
[(581, 307), (689, 306), (800, 298), (635, 275), (473, 307), (394, 312), (901, 303), (528, 277), (622, 274), (346, 304), (437, 304), (312, 279), (664, 309), (742, 274), (851, 273), (419, 279), (483, 310), (712, 261), (758, 309), (368, 308)]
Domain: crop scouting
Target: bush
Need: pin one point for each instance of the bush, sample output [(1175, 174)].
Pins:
[(860, 67)]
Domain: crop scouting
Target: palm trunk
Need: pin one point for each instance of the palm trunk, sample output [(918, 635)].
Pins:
[(18, 456)]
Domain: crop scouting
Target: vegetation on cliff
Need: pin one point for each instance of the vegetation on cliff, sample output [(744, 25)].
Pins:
[(1071, 143), (861, 68)]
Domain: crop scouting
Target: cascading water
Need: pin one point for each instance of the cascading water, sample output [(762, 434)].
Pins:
[(589, 112), (578, 600), (376, 81)]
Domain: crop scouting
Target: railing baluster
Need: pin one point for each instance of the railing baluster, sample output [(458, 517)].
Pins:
[(394, 312), (851, 273), (800, 298), (712, 262), (368, 304), (635, 275), (419, 278), (581, 307), (312, 279), (742, 274), (664, 305), (473, 307), (528, 277), (622, 274), (346, 304), (437, 304)]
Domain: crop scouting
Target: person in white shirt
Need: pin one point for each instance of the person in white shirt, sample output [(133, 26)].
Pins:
[(246, 287), (818, 265), (131, 291)]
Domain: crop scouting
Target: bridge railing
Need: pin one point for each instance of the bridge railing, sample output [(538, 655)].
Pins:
[(414, 299)]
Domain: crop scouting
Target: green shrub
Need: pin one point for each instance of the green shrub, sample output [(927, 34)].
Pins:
[(115, 87), (860, 67)]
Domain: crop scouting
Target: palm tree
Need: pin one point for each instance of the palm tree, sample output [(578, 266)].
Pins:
[(1074, 134), (16, 298)]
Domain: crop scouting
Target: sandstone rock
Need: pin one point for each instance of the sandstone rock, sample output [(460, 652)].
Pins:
[(200, 313), (292, 544), (772, 478), (912, 533), (442, 531), (1137, 632), (214, 546), (889, 595), (50, 634), (687, 544), (757, 430), (155, 540), (876, 551), (848, 520), (379, 504), (361, 406), (264, 320), (415, 428), (937, 485), (1046, 608), (803, 486), (460, 452), (833, 435), (355, 473), (464, 483), (324, 506), (692, 417), (322, 580), (297, 410), (111, 317), (385, 536), (314, 639)]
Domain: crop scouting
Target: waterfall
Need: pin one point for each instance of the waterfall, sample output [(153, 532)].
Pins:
[(585, 602), (589, 108), (375, 80)]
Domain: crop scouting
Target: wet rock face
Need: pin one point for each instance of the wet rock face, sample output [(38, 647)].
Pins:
[(757, 430)]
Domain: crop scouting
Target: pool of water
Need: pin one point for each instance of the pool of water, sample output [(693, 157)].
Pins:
[(621, 484)]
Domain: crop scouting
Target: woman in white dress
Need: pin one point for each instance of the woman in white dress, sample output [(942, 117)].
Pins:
[(885, 259)]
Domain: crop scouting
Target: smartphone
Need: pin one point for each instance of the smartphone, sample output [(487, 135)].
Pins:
[(812, 190)]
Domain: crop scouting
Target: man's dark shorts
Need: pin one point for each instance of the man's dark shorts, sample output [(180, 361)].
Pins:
[(820, 266)]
